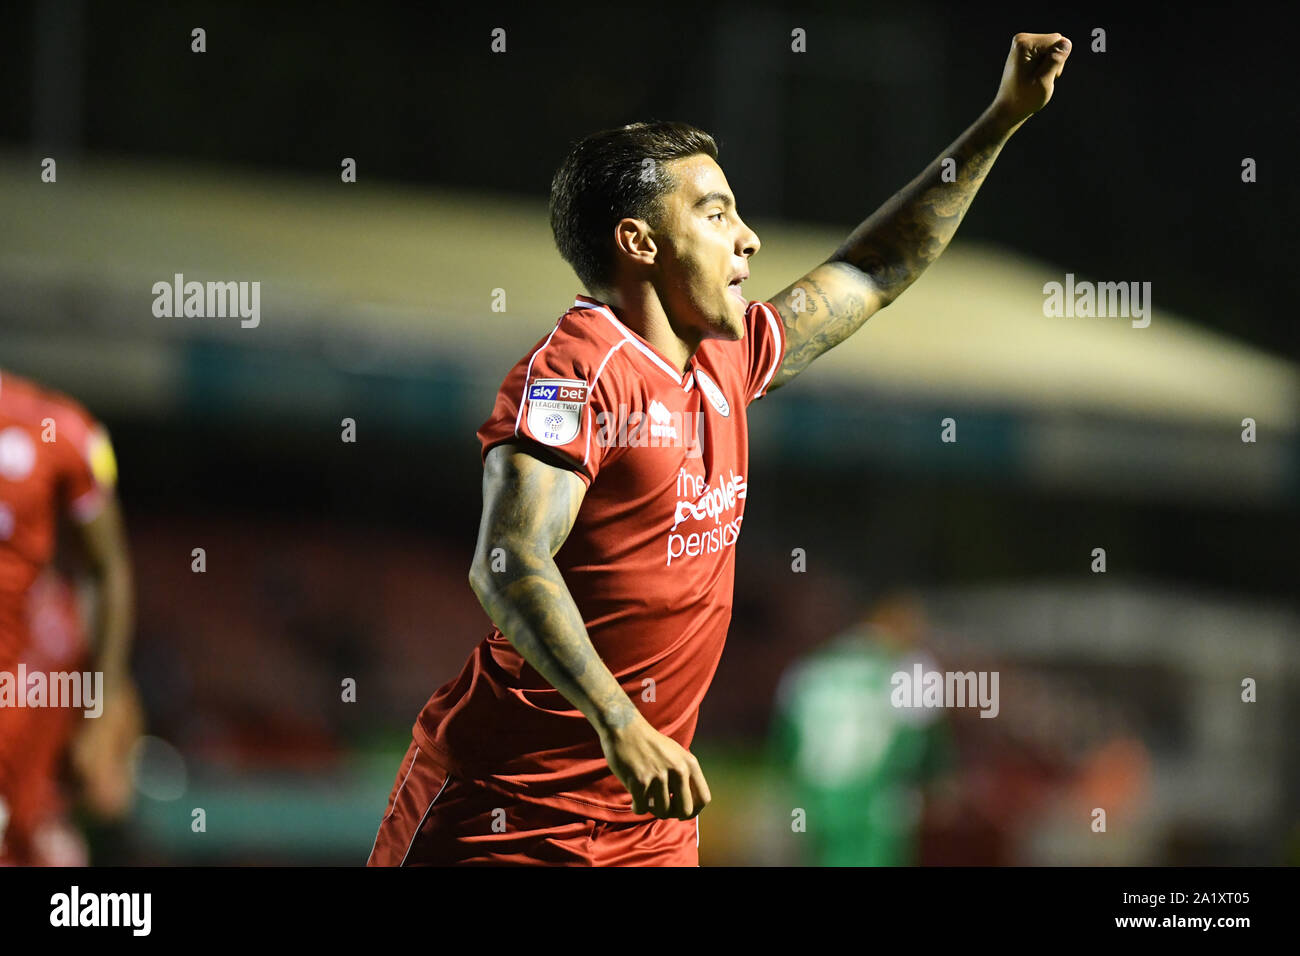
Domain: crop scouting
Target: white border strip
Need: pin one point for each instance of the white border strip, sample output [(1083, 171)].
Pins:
[(414, 835), (780, 348), (528, 373), (624, 331), (586, 455)]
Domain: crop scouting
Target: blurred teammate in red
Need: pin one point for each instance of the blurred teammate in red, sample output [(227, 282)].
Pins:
[(56, 462), (614, 487)]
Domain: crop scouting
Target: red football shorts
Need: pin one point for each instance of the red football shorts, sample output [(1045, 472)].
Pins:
[(436, 819), (33, 741)]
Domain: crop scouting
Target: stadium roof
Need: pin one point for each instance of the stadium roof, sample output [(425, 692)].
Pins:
[(376, 276)]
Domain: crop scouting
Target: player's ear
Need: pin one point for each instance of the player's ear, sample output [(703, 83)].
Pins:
[(634, 239)]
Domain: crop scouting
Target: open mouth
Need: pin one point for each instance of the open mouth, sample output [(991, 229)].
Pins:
[(734, 287)]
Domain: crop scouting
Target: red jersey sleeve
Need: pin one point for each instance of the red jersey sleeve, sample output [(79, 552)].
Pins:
[(87, 469), (556, 398), (764, 348)]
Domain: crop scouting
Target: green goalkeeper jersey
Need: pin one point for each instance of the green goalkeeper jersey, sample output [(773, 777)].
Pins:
[(854, 761)]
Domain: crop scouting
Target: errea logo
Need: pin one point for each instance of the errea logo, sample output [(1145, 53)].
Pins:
[(661, 421)]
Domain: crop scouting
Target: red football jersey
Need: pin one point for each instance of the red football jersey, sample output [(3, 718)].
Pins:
[(650, 560), (54, 459)]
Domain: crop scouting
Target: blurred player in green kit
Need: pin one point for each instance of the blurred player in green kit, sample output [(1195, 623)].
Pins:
[(857, 765)]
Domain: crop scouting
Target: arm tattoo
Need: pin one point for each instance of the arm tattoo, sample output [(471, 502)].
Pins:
[(830, 308), (907, 233), (528, 509), (887, 252)]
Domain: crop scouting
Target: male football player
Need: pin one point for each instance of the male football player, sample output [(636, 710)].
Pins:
[(615, 480), (55, 463)]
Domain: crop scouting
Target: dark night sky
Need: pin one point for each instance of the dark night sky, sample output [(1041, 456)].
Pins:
[(1134, 167)]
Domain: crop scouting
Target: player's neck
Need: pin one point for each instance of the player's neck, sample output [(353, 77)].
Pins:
[(639, 308)]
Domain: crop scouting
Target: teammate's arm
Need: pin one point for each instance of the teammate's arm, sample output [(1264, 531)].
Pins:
[(100, 753), (529, 506), (104, 541), (890, 250)]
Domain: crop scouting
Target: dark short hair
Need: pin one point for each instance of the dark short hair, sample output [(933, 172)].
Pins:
[(603, 180)]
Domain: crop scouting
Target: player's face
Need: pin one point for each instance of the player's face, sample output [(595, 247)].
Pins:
[(704, 251)]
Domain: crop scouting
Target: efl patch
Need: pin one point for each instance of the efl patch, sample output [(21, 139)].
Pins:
[(555, 407)]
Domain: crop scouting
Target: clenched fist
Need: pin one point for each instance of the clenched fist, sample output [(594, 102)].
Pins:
[(1034, 63), (663, 777)]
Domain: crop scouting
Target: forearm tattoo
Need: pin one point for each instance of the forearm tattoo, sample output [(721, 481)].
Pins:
[(529, 509), (886, 253)]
